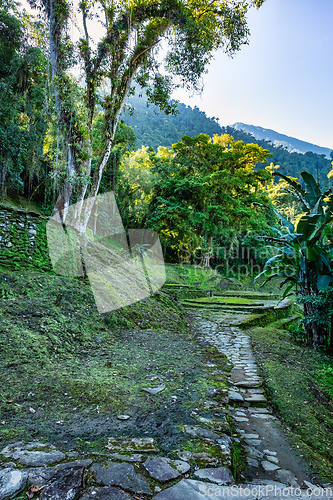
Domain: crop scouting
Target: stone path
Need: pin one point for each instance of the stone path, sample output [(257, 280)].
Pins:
[(132, 468), (269, 456)]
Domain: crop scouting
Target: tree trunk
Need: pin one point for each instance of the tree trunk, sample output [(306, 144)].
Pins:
[(3, 183), (317, 333)]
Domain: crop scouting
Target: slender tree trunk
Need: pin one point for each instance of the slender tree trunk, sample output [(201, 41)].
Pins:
[(317, 333), (3, 183)]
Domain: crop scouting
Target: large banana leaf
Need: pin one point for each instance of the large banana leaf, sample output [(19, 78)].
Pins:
[(313, 191), (297, 190)]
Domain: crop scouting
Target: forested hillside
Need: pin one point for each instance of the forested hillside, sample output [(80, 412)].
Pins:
[(157, 129), (290, 143)]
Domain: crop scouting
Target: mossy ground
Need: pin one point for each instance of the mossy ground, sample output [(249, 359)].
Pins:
[(225, 301), (300, 386), (67, 372)]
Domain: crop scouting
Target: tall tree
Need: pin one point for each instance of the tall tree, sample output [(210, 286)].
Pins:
[(203, 194), (22, 84), (126, 52)]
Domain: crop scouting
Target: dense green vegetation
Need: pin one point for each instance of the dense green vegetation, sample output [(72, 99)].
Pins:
[(210, 194), (304, 258), (156, 129)]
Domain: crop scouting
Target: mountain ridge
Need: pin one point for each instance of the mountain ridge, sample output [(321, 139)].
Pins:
[(292, 144)]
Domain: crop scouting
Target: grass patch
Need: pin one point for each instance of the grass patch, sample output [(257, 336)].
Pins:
[(300, 385), (225, 301), (67, 372)]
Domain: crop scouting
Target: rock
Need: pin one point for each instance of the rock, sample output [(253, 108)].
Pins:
[(268, 466), (155, 390), (248, 383), (274, 460), (264, 416), (220, 425), (241, 419), (235, 396), (219, 475), (253, 442), (285, 476), (203, 457), (252, 462), (12, 482), (268, 452), (249, 436), (256, 398), (122, 475), (200, 432), (213, 392), (181, 466), (253, 452), (65, 485), (134, 444), (106, 493), (159, 469), (38, 476), (189, 489), (33, 454), (132, 458), (123, 417)]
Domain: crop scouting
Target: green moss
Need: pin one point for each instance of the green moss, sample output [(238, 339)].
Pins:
[(225, 301)]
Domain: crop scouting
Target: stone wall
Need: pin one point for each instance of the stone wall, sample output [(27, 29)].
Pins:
[(23, 242)]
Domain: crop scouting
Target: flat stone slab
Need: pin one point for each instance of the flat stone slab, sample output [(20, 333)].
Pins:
[(155, 390), (38, 476), (248, 384), (106, 493), (269, 466), (181, 466), (122, 475), (203, 457), (235, 396), (253, 462), (128, 458), (190, 489), (253, 452), (218, 475), (253, 442), (135, 444), (66, 484), (159, 469), (256, 398), (285, 476), (12, 482), (272, 459), (33, 454), (200, 432), (269, 452)]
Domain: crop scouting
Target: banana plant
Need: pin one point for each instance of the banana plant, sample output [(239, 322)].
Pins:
[(304, 254)]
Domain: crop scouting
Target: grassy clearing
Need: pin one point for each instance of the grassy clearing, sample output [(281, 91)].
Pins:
[(300, 385), (66, 372), (191, 276)]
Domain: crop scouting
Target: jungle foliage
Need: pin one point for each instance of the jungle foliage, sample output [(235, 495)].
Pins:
[(304, 258)]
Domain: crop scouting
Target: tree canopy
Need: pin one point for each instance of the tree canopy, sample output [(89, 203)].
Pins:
[(126, 52)]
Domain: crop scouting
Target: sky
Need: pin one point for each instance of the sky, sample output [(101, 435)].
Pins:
[(282, 80)]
